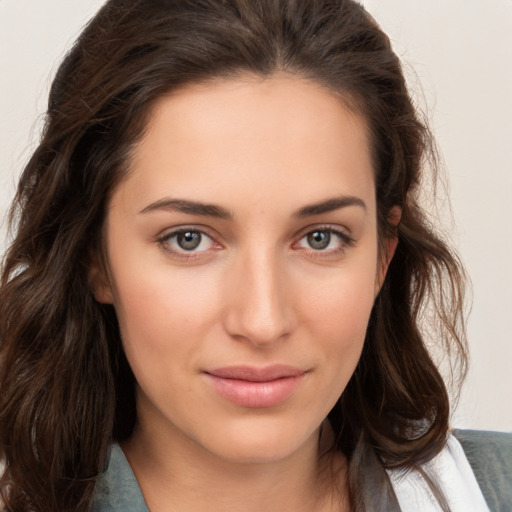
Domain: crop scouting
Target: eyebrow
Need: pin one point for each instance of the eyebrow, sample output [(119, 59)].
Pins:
[(191, 207), (212, 210), (330, 205)]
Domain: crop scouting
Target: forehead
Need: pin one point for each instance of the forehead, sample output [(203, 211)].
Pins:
[(252, 135)]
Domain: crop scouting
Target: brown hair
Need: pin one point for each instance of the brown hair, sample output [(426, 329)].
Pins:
[(66, 388)]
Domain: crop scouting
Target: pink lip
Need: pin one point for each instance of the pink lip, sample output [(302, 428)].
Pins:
[(248, 386)]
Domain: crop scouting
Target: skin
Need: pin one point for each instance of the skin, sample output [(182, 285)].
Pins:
[(254, 292)]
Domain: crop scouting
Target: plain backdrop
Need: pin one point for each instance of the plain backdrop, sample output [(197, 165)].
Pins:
[(458, 57)]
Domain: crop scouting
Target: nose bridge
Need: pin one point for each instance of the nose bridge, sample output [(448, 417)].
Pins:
[(259, 309)]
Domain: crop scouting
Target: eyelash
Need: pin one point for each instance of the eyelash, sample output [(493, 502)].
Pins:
[(164, 243), (345, 241)]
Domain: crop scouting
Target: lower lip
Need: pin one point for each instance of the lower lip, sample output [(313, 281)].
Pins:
[(255, 394)]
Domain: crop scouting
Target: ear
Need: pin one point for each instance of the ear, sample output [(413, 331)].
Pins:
[(99, 281), (389, 246)]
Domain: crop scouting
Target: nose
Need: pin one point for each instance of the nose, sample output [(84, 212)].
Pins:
[(259, 306)]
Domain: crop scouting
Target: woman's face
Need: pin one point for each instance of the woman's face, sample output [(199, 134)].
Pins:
[(242, 250)]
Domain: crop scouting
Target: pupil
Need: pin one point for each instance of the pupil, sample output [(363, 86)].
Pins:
[(189, 240), (319, 239)]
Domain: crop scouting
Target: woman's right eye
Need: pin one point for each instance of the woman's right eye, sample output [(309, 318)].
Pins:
[(187, 241)]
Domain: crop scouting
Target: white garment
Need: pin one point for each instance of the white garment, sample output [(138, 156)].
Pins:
[(454, 476)]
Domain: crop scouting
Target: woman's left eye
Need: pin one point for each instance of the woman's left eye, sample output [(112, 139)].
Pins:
[(324, 239), (187, 241)]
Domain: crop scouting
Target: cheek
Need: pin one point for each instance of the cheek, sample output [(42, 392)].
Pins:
[(164, 313), (162, 322), (337, 312), (163, 306), (342, 300)]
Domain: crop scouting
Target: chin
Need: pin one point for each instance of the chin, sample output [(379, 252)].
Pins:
[(260, 441)]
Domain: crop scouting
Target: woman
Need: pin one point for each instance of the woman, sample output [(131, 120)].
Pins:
[(215, 292)]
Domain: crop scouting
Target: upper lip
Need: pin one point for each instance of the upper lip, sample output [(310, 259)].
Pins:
[(255, 374)]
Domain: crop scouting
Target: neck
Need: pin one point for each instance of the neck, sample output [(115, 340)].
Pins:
[(177, 474)]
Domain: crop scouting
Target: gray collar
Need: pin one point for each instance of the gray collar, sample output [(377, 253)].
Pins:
[(117, 488)]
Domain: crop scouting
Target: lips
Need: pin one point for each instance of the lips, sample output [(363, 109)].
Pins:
[(253, 387)]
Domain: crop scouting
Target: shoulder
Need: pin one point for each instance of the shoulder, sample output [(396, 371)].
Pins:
[(490, 457), (478, 439)]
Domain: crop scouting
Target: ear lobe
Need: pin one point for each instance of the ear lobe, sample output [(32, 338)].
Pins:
[(99, 282), (390, 246)]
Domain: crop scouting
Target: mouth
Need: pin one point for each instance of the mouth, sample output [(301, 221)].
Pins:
[(253, 387)]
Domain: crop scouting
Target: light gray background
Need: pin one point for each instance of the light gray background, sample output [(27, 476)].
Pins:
[(460, 51)]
